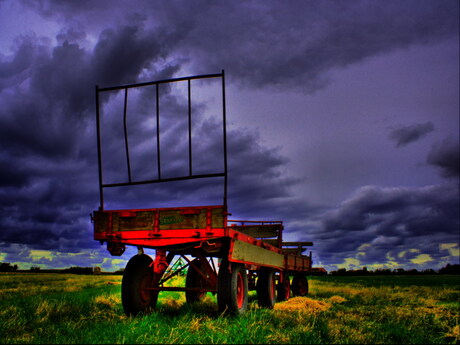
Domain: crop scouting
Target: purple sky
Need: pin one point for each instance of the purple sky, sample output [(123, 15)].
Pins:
[(343, 121)]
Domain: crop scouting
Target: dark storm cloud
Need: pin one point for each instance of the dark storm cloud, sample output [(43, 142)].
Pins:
[(445, 156), (398, 211), (48, 213), (120, 55), (389, 219), (44, 116), (49, 176), (297, 45), (26, 51), (269, 43), (12, 174), (404, 135), (259, 184)]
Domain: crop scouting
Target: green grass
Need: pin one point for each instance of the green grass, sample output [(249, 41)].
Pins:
[(65, 308)]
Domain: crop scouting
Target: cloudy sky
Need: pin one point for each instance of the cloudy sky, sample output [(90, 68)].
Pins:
[(343, 122)]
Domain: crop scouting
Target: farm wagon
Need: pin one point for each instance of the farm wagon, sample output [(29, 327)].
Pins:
[(223, 256)]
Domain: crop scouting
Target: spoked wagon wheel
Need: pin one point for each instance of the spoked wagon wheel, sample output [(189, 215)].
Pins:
[(284, 290), (194, 280), (137, 278), (300, 285), (266, 287), (232, 288)]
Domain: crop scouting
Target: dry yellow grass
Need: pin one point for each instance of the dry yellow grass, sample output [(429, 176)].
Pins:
[(347, 291), (454, 334), (196, 324), (106, 307), (337, 299), (10, 313), (71, 288), (279, 337), (172, 303), (108, 300), (43, 311), (302, 304)]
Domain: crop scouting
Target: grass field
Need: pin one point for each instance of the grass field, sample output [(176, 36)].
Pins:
[(65, 308)]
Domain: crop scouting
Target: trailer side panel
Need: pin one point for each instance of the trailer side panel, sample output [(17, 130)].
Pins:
[(247, 253)]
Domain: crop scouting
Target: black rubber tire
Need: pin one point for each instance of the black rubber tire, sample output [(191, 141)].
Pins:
[(266, 287), (232, 288), (284, 290), (137, 276), (194, 280), (300, 285)]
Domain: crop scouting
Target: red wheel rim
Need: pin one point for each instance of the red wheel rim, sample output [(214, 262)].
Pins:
[(239, 290), (287, 290)]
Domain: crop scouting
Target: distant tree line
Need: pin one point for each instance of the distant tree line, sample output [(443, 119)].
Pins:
[(7, 267), (448, 269), (82, 270)]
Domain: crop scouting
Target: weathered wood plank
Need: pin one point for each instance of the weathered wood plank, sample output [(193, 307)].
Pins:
[(248, 253)]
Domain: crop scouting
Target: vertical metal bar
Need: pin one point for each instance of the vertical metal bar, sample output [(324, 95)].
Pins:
[(158, 131), (224, 114), (189, 130), (126, 134), (99, 155)]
